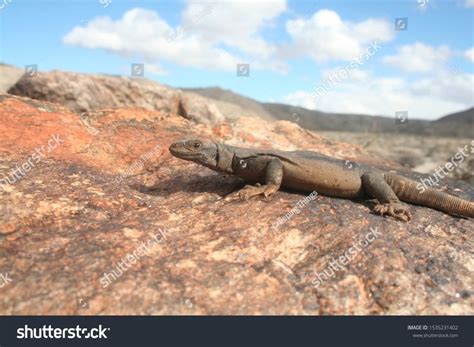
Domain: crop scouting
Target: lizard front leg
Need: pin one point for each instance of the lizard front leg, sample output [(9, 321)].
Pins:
[(374, 184), (273, 179)]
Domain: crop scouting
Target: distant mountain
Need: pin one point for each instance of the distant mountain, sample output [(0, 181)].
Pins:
[(228, 96), (458, 124), (461, 123), (317, 120), (466, 116)]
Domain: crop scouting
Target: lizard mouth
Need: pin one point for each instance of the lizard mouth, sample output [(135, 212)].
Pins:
[(185, 155)]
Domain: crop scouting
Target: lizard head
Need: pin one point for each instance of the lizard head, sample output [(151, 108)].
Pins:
[(198, 151)]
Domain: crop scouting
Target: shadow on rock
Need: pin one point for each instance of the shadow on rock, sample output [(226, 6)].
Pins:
[(213, 184)]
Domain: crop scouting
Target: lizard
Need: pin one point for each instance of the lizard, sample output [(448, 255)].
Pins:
[(310, 171)]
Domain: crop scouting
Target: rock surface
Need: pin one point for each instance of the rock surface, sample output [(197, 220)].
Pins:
[(110, 185), (87, 92)]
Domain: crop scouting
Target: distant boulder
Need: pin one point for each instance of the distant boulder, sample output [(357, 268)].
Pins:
[(87, 92)]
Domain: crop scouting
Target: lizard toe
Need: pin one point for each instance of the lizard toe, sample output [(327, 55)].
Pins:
[(400, 211), (248, 192), (269, 191), (394, 209), (381, 209), (242, 194)]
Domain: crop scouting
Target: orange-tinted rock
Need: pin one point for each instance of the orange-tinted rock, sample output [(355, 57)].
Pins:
[(112, 186)]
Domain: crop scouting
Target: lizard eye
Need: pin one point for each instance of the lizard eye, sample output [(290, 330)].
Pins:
[(243, 163), (196, 144)]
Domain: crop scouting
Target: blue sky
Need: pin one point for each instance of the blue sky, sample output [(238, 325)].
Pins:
[(299, 52)]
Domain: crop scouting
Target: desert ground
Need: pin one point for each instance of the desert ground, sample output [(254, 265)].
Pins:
[(422, 154)]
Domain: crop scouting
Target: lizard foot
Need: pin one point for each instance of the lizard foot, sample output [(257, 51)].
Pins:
[(394, 209), (250, 191)]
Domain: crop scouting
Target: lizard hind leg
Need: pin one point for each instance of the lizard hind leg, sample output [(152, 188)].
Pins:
[(374, 185)]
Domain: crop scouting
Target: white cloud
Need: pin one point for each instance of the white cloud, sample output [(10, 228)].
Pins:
[(197, 42), (469, 54), (220, 35), (326, 36), (427, 98), (419, 57), (445, 85), (469, 3), (235, 23)]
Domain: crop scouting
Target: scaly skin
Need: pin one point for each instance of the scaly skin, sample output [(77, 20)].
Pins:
[(311, 171)]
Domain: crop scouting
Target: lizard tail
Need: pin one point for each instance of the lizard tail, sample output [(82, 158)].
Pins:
[(413, 192)]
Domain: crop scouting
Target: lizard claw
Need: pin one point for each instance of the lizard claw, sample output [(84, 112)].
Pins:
[(245, 193), (393, 209), (249, 191)]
